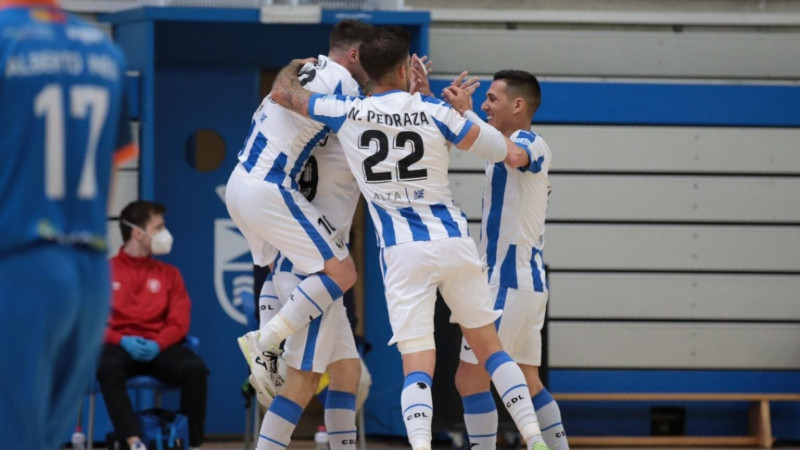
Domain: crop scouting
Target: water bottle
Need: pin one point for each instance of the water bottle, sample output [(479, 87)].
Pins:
[(321, 439), (78, 439)]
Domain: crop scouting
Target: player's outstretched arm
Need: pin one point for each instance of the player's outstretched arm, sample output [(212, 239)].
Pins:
[(484, 140), (287, 90)]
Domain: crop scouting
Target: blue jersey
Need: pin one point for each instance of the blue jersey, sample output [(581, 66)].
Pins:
[(62, 118)]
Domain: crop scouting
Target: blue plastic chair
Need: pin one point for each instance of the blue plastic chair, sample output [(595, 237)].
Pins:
[(138, 384)]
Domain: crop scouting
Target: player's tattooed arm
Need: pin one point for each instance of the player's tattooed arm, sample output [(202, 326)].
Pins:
[(287, 90)]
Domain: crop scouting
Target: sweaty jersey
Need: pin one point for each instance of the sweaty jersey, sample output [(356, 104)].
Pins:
[(280, 141), (514, 210), (396, 147), (61, 118)]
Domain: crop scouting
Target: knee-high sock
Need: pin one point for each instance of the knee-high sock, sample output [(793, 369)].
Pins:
[(480, 418), (268, 302), (278, 425), (416, 402), (307, 302), (550, 421), (510, 383), (340, 420)]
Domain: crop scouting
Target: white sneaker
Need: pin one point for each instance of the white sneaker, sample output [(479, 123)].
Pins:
[(263, 366)]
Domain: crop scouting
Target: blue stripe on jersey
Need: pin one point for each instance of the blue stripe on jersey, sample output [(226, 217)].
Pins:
[(499, 179), (508, 269), (434, 100), (309, 228), (277, 172), (340, 400), (311, 345), (442, 213), (448, 134), (259, 144), (383, 265), (335, 123), (500, 304), (419, 232), (536, 271), (464, 215), (536, 166), (387, 227), (306, 152), (246, 139), (286, 409), (338, 89), (286, 265)]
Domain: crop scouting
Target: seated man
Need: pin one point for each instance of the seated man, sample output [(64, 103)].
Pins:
[(149, 319)]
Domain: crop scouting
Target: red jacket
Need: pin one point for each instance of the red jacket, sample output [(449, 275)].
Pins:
[(149, 300)]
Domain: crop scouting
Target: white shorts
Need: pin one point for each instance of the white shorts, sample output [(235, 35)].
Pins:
[(273, 219), (520, 326), (327, 339), (414, 270)]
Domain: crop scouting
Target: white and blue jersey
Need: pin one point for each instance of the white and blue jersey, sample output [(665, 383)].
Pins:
[(61, 118), (280, 141), (514, 211), (396, 147)]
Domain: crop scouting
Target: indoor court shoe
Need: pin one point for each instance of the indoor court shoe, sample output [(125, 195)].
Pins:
[(540, 446), (263, 397), (263, 365)]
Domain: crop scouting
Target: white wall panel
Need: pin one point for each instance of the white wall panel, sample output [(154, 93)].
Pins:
[(664, 149), (126, 190), (658, 53), (674, 345), (688, 247), (674, 296), (114, 237), (654, 198)]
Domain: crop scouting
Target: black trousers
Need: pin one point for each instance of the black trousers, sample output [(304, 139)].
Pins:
[(175, 365)]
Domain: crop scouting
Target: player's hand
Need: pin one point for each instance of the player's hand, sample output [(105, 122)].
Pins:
[(299, 63), (420, 67), (469, 86), (458, 98)]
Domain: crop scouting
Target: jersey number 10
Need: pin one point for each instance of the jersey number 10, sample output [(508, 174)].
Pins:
[(84, 101)]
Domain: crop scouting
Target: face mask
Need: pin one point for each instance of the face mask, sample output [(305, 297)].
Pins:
[(160, 243)]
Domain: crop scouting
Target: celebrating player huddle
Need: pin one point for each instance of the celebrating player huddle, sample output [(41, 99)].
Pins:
[(396, 145)]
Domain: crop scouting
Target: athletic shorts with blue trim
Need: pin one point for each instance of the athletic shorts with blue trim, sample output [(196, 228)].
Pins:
[(327, 339), (276, 219), (520, 326), (54, 305), (413, 271)]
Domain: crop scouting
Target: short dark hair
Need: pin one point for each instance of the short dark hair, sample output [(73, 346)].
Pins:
[(349, 33), (138, 213), (384, 51), (523, 84)]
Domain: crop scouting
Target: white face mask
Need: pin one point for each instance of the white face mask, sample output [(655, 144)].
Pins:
[(160, 243)]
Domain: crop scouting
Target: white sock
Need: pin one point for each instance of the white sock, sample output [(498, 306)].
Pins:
[(268, 302), (510, 383), (416, 402), (550, 421), (340, 420), (278, 425), (307, 302), (480, 418)]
